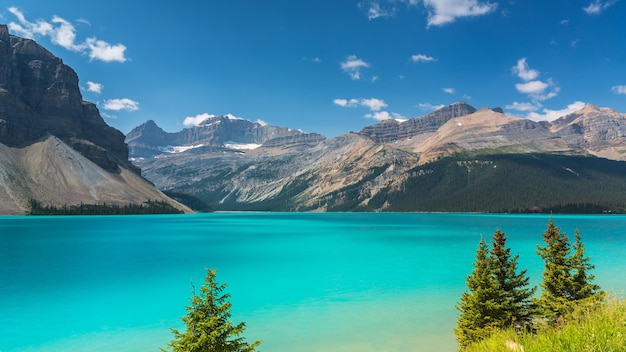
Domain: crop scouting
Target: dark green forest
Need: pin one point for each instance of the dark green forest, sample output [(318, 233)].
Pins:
[(512, 183), (149, 207)]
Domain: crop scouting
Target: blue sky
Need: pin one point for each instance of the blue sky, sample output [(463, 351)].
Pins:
[(331, 66)]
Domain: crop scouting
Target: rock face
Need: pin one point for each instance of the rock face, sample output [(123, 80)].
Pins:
[(215, 133), (600, 131), (39, 95), (54, 147), (391, 130)]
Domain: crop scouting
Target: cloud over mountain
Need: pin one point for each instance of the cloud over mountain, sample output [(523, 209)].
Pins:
[(63, 34)]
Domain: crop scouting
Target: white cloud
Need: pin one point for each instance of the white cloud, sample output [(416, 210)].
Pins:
[(353, 66), (384, 115), (101, 50), (551, 115), (523, 71), (373, 104), (619, 89), (441, 12), (121, 104), (196, 120), (532, 87), (94, 87), (597, 6), (341, 102), (448, 90), (346, 103), (429, 106), (28, 29), (422, 58), (523, 106), (536, 89), (375, 10), (63, 33)]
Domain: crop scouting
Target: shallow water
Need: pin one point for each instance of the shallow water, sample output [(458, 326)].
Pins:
[(301, 282)]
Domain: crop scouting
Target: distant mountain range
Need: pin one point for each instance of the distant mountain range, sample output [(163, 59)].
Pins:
[(234, 164), (55, 148)]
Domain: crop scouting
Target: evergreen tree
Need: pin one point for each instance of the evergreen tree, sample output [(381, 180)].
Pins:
[(567, 281), (497, 297), (582, 286), (208, 323), (517, 308), (557, 280), (480, 304)]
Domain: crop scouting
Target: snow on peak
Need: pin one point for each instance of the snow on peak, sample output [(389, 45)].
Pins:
[(233, 117), (193, 121), (179, 149), (261, 122), (241, 146)]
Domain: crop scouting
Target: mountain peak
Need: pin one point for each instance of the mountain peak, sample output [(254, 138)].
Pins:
[(591, 108), (387, 132)]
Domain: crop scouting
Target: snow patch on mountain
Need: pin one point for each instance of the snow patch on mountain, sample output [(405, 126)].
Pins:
[(241, 146), (179, 149)]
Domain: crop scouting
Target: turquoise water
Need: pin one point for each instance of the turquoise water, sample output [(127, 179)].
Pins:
[(301, 282)]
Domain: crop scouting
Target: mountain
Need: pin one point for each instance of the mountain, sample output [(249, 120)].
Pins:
[(55, 147), (215, 133), (407, 165), (392, 130), (600, 131)]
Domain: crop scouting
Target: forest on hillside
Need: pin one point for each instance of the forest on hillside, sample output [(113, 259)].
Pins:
[(511, 183)]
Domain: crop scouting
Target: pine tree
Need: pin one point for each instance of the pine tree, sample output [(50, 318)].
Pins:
[(557, 280), (582, 286), (478, 305), (517, 308), (567, 281), (208, 323)]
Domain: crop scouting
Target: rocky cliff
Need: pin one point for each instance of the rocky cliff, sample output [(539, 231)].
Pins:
[(56, 148), (389, 131), (600, 131), (39, 95)]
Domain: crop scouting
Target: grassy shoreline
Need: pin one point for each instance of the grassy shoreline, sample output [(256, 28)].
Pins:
[(601, 328)]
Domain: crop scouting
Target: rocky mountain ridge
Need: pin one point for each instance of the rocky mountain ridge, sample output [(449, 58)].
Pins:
[(347, 172), (55, 147), (392, 130), (214, 133)]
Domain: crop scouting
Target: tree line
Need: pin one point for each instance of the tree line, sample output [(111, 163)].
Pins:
[(498, 295), (148, 207)]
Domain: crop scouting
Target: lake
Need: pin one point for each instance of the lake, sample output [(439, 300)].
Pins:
[(300, 281)]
